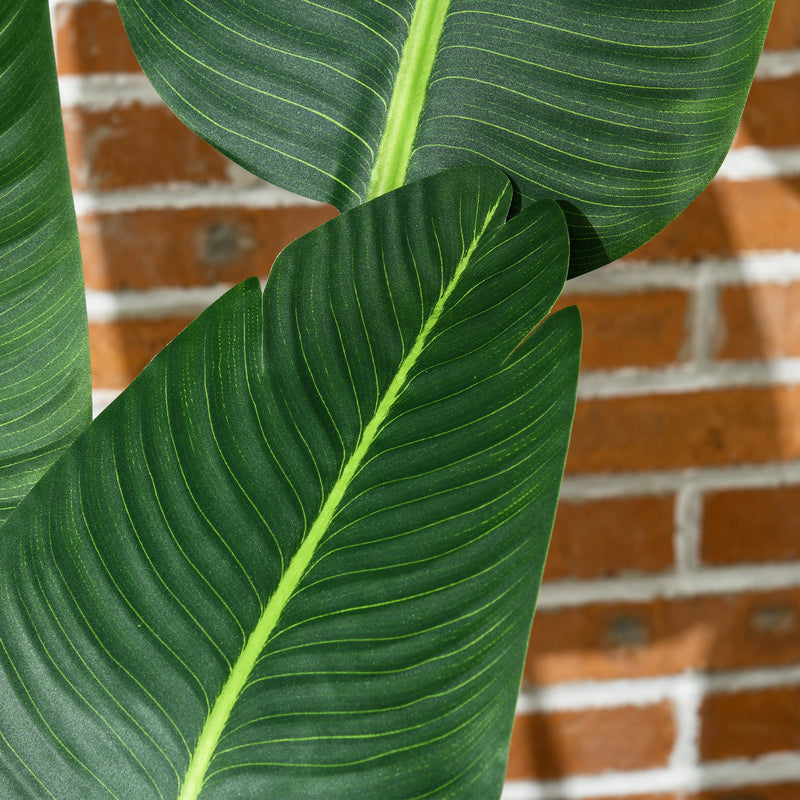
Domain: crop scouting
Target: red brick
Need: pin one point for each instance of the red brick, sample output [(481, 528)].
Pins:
[(613, 536), (784, 29), (189, 247), (121, 350), (675, 431), (758, 321), (730, 217), (606, 641), (750, 723), (770, 116), (783, 791), (751, 525), (671, 796), (136, 145), (90, 37), (587, 742), (646, 329)]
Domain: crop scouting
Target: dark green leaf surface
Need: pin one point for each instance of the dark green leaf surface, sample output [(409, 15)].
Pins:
[(623, 110), (45, 385), (298, 558)]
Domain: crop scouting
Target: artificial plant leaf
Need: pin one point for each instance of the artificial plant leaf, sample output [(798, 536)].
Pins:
[(623, 110), (45, 385), (298, 557)]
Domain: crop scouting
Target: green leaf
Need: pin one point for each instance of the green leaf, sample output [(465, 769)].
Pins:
[(45, 384), (299, 557), (623, 110)]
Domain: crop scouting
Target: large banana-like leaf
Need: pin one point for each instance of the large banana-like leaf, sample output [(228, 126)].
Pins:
[(298, 558), (623, 110), (45, 386)]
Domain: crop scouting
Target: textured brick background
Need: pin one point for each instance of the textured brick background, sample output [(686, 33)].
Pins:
[(665, 658)]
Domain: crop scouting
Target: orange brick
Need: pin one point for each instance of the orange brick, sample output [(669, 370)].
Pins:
[(750, 723), (778, 791), (784, 29), (606, 641), (554, 745), (189, 247), (783, 791), (136, 145), (759, 215), (601, 538), (730, 217), (678, 796), (758, 321), (90, 37), (646, 329), (751, 525), (121, 350), (674, 431), (770, 117)]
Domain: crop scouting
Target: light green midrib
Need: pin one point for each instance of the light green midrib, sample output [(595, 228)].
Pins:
[(408, 97), (245, 664)]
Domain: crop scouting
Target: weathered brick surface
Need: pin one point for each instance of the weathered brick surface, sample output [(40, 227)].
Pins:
[(770, 118), (189, 247), (609, 641), (751, 526), (90, 37), (669, 796), (778, 791), (750, 723), (676, 431), (591, 741), (121, 350), (758, 321), (135, 146), (644, 329), (784, 29), (611, 537)]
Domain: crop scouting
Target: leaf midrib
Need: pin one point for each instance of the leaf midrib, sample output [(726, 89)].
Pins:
[(242, 669), (408, 97)]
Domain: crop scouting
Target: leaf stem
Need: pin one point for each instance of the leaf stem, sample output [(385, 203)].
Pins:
[(408, 97), (245, 664)]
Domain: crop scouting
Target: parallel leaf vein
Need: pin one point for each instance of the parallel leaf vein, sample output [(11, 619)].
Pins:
[(239, 677)]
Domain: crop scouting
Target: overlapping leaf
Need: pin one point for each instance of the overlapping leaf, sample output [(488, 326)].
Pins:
[(623, 110), (298, 558), (45, 389)]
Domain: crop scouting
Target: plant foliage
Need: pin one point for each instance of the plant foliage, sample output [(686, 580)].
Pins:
[(45, 386), (621, 110), (299, 557)]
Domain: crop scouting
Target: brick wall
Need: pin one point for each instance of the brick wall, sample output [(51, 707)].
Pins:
[(665, 659)]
